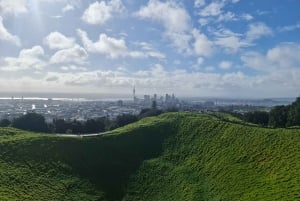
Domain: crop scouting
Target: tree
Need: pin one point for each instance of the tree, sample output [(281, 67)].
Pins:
[(94, 126), (4, 123), (294, 114), (60, 125), (257, 117), (278, 116), (154, 105), (32, 122), (125, 119), (147, 112), (76, 127)]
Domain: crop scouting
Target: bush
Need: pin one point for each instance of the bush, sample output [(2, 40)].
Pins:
[(31, 122), (5, 123)]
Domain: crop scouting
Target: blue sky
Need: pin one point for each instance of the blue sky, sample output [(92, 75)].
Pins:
[(221, 48)]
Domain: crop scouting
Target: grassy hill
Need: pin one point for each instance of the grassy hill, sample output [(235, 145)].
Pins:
[(176, 156)]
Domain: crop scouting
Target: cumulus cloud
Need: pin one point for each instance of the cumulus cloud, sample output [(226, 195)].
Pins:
[(247, 16), (200, 61), (159, 80), (230, 41), (105, 45), (289, 27), (215, 12), (67, 8), (13, 7), (281, 57), (101, 12), (74, 55), (212, 9), (56, 40), (199, 3), (114, 48), (173, 17), (228, 16), (73, 68), (258, 30), (28, 59), (6, 36), (225, 65), (202, 45)]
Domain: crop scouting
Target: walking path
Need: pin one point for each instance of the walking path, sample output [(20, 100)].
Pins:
[(80, 135)]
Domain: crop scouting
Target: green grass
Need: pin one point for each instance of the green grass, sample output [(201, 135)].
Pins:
[(176, 156)]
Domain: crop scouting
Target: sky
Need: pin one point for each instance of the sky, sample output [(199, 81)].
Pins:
[(194, 48)]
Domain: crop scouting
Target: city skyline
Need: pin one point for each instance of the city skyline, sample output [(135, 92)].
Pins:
[(201, 48)]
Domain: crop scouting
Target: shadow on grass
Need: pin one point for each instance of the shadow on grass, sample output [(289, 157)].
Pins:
[(106, 161)]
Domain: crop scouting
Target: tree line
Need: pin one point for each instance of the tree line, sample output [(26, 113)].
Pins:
[(36, 122), (281, 116)]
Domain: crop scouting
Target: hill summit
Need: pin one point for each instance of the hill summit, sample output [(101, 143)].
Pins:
[(175, 156)]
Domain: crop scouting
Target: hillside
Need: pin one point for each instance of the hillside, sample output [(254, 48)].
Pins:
[(176, 156)]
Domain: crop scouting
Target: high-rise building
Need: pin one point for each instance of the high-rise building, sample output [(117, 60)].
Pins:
[(134, 97)]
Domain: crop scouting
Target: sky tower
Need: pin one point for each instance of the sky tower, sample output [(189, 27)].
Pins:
[(134, 98)]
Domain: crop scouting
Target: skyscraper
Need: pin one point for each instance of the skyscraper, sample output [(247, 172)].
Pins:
[(134, 98)]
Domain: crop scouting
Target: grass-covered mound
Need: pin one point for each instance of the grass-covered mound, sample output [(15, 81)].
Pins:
[(171, 157)]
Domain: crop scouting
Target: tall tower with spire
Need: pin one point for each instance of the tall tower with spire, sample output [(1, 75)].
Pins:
[(134, 98)]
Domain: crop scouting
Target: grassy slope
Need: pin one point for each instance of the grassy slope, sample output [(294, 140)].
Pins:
[(171, 157)]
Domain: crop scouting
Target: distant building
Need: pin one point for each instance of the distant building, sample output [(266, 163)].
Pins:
[(147, 99), (155, 97), (134, 97), (120, 103), (167, 98)]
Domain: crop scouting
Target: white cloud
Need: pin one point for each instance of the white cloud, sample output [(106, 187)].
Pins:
[(289, 27), (56, 40), (74, 55), (202, 45), (144, 45), (56, 16), (247, 16), (282, 57), (258, 30), (213, 9), (154, 54), (160, 80), (285, 55), (181, 41), (225, 65), (200, 61), (13, 7), (106, 45), (27, 59), (34, 52), (199, 3), (6, 36), (203, 21), (101, 12), (114, 48), (73, 68), (228, 16), (173, 17), (230, 41), (67, 8)]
